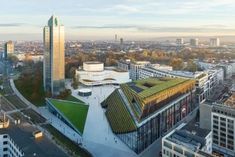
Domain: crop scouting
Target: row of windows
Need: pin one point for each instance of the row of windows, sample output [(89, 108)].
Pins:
[(178, 150)]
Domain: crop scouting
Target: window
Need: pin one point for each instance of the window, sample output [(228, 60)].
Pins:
[(168, 145), (223, 119), (188, 154), (223, 123), (5, 142), (230, 131), (5, 149), (215, 121), (5, 136), (179, 150)]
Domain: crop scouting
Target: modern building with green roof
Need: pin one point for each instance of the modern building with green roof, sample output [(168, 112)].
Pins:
[(72, 113), (141, 111)]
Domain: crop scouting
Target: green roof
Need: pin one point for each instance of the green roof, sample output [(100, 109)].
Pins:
[(152, 86), (118, 115), (75, 112)]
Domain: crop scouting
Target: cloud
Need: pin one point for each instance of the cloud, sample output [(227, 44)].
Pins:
[(105, 27), (203, 28), (11, 24)]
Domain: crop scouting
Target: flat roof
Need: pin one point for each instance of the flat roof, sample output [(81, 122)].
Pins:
[(75, 112), (230, 101), (191, 136), (93, 62), (23, 138), (84, 90)]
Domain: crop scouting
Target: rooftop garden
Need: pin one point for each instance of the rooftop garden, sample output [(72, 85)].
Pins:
[(153, 85), (75, 112), (118, 115)]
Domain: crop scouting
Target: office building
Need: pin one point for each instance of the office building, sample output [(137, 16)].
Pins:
[(135, 67), (187, 140), (140, 112), (194, 42), (8, 49), (228, 70), (223, 128), (8, 148), (214, 42), (180, 41), (205, 110), (116, 38), (205, 81), (53, 68), (124, 64)]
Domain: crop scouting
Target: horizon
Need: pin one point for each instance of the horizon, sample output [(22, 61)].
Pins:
[(129, 19)]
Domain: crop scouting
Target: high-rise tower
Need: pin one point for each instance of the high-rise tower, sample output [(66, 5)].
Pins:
[(8, 48), (53, 66)]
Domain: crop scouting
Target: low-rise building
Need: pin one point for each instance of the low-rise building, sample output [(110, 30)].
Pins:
[(135, 67), (228, 70), (205, 81), (8, 148), (124, 64), (187, 140), (140, 112), (223, 127), (94, 74)]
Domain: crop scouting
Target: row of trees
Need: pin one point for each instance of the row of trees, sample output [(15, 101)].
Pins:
[(178, 60), (30, 82)]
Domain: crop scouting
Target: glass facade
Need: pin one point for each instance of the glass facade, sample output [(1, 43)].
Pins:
[(157, 126), (53, 37)]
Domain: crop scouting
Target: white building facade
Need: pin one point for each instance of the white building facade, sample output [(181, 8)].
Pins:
[(8, 148), (135, 67), (94, 74), (205, 81), (185, 142), (223, 129)]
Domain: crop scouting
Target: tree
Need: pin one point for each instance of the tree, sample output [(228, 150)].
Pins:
[(12, 59), (177, 63), (191, 66), (75, 82)]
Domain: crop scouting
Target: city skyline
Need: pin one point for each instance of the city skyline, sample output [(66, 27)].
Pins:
[(127, 18)]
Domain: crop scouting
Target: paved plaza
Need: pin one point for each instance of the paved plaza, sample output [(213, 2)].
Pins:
[(98, 137)]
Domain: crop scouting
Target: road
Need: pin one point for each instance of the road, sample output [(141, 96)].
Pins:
[(22, 133)]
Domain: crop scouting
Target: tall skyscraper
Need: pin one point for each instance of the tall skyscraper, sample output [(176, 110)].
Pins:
[(116, 38), (8, 48), (180, 41), (214, 42), (53, 68), (194, 42)]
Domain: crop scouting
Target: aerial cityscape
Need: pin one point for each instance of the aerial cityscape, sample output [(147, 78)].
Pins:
[(127, 78)]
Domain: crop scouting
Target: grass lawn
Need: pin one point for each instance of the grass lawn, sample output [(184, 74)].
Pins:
[(73, 148), (75, 112)]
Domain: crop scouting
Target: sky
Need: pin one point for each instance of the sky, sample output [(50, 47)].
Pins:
[(130, 19)]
